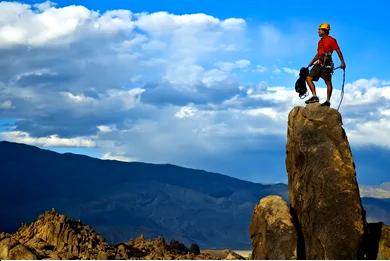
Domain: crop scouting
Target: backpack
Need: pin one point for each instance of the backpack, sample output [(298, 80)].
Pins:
[(300, 84)]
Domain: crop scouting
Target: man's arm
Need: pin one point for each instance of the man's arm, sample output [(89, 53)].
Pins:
[(312, 61), (341, 57)]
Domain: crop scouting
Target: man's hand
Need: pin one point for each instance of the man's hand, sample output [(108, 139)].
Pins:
[(312, 61), (340, 54), (343, 66)]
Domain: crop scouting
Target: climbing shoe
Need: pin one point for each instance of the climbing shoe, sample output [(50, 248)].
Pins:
[(326, 103), (312, 100)]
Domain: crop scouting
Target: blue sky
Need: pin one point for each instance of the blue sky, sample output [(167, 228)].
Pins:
[(202, 84), (362, 34)]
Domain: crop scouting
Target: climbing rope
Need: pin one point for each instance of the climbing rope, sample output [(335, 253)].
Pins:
[(342, 88)]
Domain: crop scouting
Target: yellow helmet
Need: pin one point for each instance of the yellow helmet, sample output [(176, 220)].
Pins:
[(325, 26)]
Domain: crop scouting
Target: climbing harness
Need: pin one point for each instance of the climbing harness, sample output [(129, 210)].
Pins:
[(329, 65), (327, 62)]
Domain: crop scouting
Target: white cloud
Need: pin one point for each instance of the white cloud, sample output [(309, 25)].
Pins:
[(159, 87), (291, 71), (111, 156), (20, 24), (365, 92), (365, 112), (117, 61), (191, 36), (385, 112), (213, 77), (50, 141), (381, 191), (184, 76), (374, 132), (112, 98), (277, 70), (279, 94), (260, 68), (203, 132), (234, 24), (77, 98), (385, 82), (365, 109), (241, 123), (105, 128), (269, 112), (6, 105), (243, 63), (185, 112), (230, 66), (146, 47), (165, 23), (156, 45), (228, 47), (39, 72), (128, 98)]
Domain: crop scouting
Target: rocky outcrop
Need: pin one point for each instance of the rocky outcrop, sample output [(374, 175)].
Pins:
[(384, 243), (325, 204), (323, 190), (272, 230), (54, 236), (12, 249), (224, 254)]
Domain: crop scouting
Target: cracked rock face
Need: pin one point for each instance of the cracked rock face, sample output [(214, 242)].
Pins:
[(323, 190)]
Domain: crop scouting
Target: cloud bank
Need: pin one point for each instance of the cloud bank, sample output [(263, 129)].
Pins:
[(159, 87)]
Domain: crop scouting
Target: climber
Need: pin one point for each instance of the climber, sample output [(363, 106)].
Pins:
[(323, 64)]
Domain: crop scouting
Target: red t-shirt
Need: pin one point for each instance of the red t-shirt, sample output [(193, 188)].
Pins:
[(326, 44)]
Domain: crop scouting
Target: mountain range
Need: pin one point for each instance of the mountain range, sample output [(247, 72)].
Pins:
[(122, 200)]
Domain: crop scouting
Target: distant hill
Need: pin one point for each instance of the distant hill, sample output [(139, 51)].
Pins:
[(122, 200), (378, 209)]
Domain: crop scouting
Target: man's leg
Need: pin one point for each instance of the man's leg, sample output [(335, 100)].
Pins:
[(329, 89), (314, 98), (312, 87)]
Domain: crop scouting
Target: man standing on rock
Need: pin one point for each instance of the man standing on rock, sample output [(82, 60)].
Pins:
[(323, 64)]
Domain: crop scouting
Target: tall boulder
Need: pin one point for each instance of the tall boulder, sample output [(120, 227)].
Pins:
[(323, 190), (272, 230), (384, 243)]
